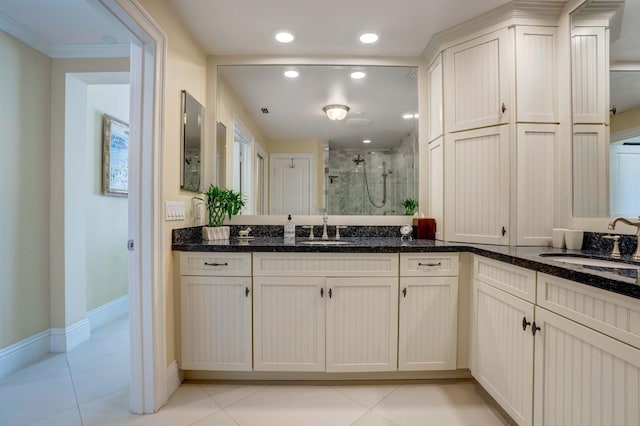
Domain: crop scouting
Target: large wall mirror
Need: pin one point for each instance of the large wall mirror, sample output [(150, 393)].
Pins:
[(287, 156), (606, 110)]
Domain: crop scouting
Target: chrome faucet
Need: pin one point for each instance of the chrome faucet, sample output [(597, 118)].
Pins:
[(325, 219), (636, 223)]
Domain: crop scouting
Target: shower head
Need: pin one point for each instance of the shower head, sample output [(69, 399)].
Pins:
[(358, 160)]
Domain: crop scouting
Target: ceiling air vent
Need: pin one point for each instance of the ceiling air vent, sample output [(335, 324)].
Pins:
[(264, 110)]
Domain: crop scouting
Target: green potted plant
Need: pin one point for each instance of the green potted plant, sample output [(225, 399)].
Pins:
[(220, 203), (410, 205)]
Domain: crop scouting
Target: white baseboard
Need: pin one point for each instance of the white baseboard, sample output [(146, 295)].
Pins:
[(24, 352), (108, 312), (174, 378), (65, 339)]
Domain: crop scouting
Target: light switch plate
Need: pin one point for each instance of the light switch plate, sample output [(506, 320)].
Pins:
[(174, 210)]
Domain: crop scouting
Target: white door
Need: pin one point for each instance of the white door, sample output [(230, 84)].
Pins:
[(216, 323), (290, 184), (477, 82), (477, 186), (583, 377), (289, 323), (362, 324), (428, 323), (502, 351)]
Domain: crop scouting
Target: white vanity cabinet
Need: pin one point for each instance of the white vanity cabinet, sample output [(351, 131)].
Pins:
[(428, 311), (333, 312), (587, 368), (583, 376), (582, 364), (502, 342), (215, 292)]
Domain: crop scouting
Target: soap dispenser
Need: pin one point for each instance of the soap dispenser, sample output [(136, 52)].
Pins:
[(289, 228)]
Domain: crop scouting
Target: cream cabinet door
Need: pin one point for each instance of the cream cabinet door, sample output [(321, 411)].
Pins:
[(289, 323), (536, 74), (502, 349), (590, 75), (477, 186), (535, 148), (428, 323), (362, 324), (582, 376), (216, 323), (477, 80)]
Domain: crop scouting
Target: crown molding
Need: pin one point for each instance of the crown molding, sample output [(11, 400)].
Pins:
[(91, 51), (517, 12), (24, 34)]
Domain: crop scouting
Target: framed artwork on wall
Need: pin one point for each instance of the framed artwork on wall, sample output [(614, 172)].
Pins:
[(115, 157)]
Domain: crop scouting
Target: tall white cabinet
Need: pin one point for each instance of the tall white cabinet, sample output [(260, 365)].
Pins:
[(498, 93)]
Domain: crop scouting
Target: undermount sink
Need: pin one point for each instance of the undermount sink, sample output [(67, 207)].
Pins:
[(325, 242), (588, 261)]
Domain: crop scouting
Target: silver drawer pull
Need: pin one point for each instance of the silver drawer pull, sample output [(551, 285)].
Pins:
[(216, 264), (430, 264)]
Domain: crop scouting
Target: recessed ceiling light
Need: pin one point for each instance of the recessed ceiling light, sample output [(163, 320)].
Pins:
[(291, 73), (284, 36), (407, 116), (368, 38), (357, 75), (366, 141)]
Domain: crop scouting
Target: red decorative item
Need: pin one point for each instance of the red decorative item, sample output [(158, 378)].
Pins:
[(426, 228)]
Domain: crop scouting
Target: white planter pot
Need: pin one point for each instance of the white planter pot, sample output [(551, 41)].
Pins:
[(215, 233)]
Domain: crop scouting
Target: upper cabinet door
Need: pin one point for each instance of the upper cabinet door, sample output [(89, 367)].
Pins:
[(589, 66), (477, 82), (536, 74), (435, 99), (476, 186)]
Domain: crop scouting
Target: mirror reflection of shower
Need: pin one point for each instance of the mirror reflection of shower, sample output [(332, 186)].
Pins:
[(358, 159), (363, 182)]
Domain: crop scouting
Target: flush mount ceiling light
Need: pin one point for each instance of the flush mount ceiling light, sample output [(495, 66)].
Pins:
[(410, 116), (336, 111), (368, 38), (291, 73), (284, 36), (357, 75)]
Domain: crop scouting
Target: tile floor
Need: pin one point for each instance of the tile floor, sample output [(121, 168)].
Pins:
[(90, 386)]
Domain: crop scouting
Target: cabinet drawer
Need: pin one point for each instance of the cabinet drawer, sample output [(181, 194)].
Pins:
[(428, 264), (514, 280), (221, 264), (325, 264), (612, 314)]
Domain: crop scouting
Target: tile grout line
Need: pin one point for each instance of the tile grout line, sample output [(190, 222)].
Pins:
[(75, 394)]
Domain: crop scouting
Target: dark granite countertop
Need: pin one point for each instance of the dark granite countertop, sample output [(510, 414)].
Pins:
[(622, 281)]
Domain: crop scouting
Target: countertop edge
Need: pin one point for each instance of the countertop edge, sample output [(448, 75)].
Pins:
[(525, 257)]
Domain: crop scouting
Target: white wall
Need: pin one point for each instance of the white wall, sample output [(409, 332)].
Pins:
[(25, 91), (106, 227), (68, 171)]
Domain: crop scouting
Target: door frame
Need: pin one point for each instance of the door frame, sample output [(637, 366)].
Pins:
[(148, 388)]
